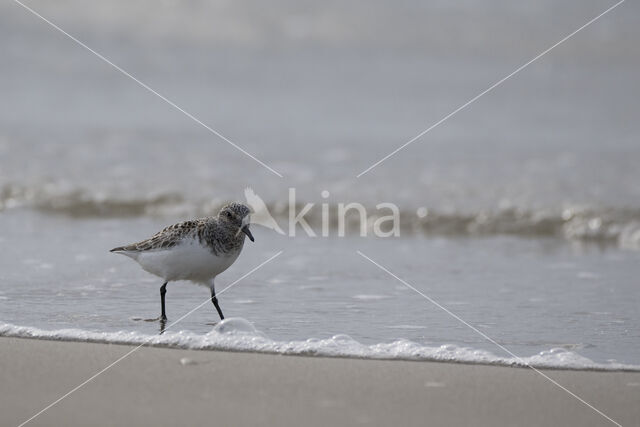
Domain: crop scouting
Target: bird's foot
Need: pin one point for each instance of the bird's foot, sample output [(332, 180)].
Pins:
[(161, 319), (163, 324)]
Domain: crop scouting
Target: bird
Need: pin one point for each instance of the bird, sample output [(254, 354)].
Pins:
[(196, 250)]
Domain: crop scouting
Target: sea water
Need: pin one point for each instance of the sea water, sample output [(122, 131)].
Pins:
[(520, 215)]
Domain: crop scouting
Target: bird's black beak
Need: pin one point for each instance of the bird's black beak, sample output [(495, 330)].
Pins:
[(246, 231)]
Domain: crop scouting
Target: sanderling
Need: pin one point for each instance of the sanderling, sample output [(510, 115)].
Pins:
[(196, 250)]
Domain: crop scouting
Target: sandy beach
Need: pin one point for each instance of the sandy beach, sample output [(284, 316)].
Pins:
[(166, 387), (395, 208)]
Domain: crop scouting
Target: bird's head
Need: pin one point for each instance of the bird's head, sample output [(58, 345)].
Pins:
[(238, 215)]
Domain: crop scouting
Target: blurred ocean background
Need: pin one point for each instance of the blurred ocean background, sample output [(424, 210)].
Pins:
[(528, 200)]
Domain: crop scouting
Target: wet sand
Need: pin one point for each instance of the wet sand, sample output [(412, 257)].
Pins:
[(167, 387)]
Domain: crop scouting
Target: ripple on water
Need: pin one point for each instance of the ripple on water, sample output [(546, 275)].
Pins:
[(369, 297), (235, 325)]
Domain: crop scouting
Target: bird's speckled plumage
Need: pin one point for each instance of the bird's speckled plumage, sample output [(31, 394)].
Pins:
[(219, 233), (196, 250)]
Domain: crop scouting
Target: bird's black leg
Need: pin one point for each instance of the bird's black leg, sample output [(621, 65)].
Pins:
[(163, 291), (214, 300)]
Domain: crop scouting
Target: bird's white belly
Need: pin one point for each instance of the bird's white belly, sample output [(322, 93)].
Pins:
[(186, 261)]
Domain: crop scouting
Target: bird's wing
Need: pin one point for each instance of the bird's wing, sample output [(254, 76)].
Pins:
[(165, 239)]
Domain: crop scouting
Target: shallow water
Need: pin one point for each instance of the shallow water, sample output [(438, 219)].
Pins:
[(529, 199), (531, 295)]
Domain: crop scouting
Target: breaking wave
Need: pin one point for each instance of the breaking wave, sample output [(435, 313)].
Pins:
[(613, 226), (236, 334)]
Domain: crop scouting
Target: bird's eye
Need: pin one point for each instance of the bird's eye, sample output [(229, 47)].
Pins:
[(228, 214)]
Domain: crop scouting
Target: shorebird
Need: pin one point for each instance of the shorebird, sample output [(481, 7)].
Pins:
[(196, 250)]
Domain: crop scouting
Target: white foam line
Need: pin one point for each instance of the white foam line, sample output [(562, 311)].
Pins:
[(164, 98), (488, 338), (130, 352), (400, 349), (489, 89)]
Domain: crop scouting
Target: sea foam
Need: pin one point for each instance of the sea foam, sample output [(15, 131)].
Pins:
[(237, 334), (619, 226)]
